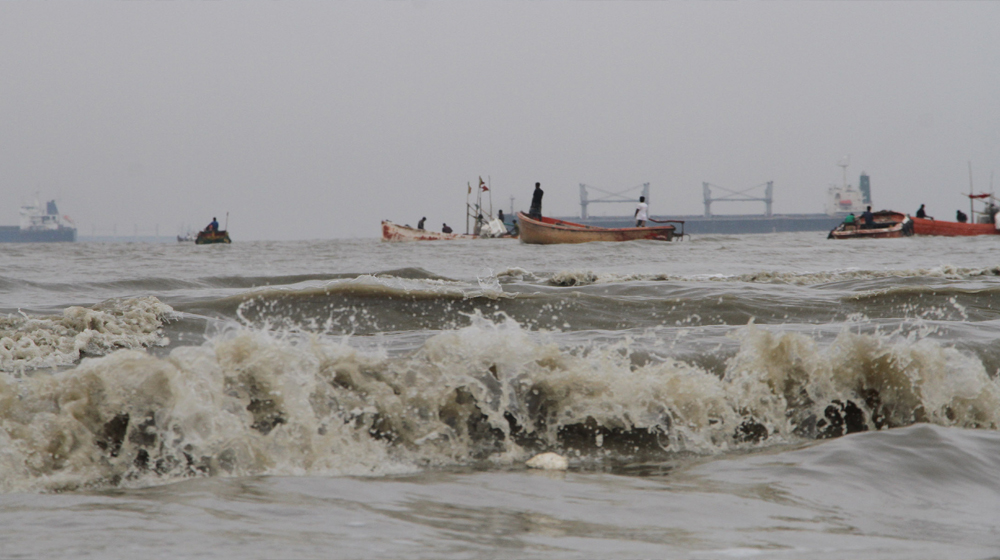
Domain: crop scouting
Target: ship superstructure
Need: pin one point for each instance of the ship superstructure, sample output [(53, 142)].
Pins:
[(40, 225)]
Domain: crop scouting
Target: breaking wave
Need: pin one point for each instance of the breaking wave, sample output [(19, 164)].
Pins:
[(251, 401)]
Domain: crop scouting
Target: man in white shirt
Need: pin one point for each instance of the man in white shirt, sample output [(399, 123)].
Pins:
[(640, 212)]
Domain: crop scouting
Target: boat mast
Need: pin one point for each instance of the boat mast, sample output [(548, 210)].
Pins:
[(972, 213)]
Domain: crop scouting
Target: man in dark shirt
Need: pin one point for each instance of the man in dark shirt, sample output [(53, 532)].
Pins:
[(445, 228), (420, 224), (920, 212), (868, 218), (960, 217), (536, 202)]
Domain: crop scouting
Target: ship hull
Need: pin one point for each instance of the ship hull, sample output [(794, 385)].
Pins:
[(728, 224), (14, 234)]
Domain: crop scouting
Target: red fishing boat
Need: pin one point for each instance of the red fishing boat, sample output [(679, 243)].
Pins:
[(887, 224), (927, 226), (980, 222), (546, 231)]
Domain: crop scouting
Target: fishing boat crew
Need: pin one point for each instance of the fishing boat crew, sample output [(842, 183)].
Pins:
[(641, 211), (535, 211)]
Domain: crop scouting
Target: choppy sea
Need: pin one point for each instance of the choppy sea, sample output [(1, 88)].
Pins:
[(760, 396)]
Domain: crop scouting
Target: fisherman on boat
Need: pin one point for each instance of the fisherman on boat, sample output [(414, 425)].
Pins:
[(961, 217), (213, 227), (535, 211), (991, 210), (869, 218), (850, 220), (921, 213), (445, 228), (641, 210), (420, 224)]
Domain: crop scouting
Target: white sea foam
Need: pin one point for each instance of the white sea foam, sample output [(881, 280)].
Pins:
[(586, 277), (33, 342)]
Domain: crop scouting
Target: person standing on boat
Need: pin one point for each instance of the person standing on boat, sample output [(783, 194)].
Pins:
[(868, 218), (921, 213), (420, 224), (535, 211), (641, 211), (445, 228), (214, 226)]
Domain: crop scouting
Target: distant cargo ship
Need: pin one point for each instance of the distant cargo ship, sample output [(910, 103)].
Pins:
[(730, 224), (841, 200), (40, 226)]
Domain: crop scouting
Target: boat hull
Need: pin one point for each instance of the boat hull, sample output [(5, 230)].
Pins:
[(923, 226), (209, 238), (549, 231), (887, 225), (396, 232)]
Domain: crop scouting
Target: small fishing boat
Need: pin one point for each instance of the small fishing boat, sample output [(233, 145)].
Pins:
[(209, 237), (396, 232), (547, 231), (887, 224)]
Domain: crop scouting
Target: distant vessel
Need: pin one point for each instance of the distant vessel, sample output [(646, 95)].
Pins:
[(841, 200), (212, 237), (40, 226), (844, 198)]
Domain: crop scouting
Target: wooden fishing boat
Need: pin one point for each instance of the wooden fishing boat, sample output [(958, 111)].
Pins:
[(887, 224), (209, 237), (927, 226), (396, 232), (547, 231)]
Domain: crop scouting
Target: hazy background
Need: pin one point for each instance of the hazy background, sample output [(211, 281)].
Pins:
[(317, 120)]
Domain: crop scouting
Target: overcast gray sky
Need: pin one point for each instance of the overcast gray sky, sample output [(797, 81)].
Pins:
[(312, 120)]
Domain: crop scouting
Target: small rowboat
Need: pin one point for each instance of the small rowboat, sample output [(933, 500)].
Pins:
[(925, 226), (547, 231), (396, 232), (209, 237), (887, 224)]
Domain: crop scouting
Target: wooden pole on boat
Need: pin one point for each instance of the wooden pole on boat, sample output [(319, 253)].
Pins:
[(227, 221), (972, 214), (489, 185), (467, 207)]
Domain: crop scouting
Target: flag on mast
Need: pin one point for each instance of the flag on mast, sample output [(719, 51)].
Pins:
[(482, 185)]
